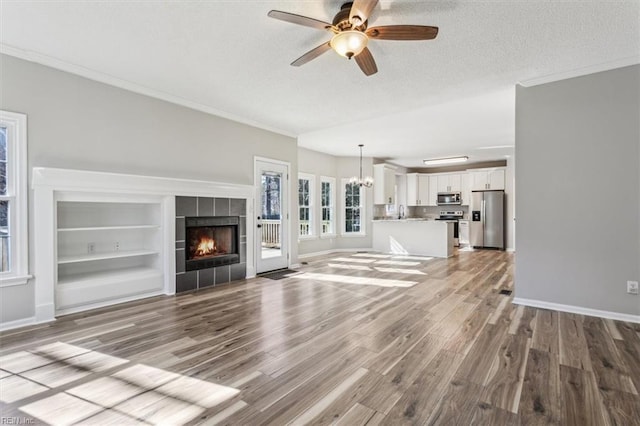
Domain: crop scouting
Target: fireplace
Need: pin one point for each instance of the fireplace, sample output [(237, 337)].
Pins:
[(211, 241)]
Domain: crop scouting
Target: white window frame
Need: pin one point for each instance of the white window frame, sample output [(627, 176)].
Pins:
[(343, 194), (312, 194), (332, 208), (16, 125)]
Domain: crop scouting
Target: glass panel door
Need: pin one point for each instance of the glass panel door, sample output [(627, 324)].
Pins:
[(272, 211)]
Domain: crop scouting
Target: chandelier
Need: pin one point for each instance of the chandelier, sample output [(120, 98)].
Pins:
[(367, 182)]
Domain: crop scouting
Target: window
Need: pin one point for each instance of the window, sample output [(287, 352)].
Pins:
[(353, 208), (328, 201), (13, 199), (305, 205), (271, 183)]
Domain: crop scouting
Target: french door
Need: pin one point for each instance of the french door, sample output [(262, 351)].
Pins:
[(272, 215)]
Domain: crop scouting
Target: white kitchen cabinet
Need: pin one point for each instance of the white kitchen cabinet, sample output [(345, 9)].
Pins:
[(465, 189), (463, 232), (487, 179), (433, 190), (417, 189), (449, 182), (384, 182), (496, 179)]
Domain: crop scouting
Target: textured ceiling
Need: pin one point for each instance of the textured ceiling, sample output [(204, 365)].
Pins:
[(448, 96)]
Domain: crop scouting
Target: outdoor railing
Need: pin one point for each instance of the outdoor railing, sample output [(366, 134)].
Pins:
[(305, 227), (270, 233), (326, 227)]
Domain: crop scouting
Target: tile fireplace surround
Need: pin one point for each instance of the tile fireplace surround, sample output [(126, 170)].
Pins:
[(200, 207)]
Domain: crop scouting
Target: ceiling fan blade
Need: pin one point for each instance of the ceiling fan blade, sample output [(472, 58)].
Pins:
[(299, 19), (311, 55), (366, 62), (403, 32), (361, 9)]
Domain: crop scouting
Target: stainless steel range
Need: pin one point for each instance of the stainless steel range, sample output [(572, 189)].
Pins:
[(452, 216)]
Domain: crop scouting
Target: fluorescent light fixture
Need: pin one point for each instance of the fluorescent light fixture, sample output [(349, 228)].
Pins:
[(449, 160)]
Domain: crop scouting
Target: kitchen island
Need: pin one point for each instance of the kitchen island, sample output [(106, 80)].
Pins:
[(413, 237)]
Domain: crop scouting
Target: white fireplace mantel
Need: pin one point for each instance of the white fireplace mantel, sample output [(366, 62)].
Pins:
[(51, 185)]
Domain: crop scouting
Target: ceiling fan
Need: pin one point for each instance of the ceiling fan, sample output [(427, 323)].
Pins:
[(351, 33)]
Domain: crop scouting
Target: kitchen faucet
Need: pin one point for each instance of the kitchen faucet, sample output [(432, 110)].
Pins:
[(400, 211)]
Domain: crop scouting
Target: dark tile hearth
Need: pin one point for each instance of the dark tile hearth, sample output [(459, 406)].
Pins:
[(205, 207)]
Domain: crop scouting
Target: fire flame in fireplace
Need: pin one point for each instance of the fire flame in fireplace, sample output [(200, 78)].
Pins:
[(206, 246)]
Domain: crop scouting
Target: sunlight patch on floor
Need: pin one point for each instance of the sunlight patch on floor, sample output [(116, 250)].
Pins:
[(347, 266), (400, 271), (409, 257), (380, 282), (136, 394), (350, 259), (397, 262)]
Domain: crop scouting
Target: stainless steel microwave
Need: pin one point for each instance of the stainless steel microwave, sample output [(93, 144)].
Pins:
[(449, 198)]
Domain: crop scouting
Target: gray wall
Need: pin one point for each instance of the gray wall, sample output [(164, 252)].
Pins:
[(77, 123), (578, 154), (319, 164)]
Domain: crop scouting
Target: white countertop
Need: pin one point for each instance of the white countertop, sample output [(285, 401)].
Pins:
[(406, 219)]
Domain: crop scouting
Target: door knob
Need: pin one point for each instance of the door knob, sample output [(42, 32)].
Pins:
[(259, 225)]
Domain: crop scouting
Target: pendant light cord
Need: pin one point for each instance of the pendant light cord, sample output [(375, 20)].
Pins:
[(361, 181)]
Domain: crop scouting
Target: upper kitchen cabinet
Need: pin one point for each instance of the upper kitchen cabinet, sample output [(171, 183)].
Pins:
[(417, 189), (450, 183), (487, 179), (384, 184), (433, 190), (466, 189)]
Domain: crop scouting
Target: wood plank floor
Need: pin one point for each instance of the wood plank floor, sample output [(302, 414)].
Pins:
[(354, 339)]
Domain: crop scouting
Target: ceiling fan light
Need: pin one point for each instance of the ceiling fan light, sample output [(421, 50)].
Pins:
[(450, 160), (349, 43)]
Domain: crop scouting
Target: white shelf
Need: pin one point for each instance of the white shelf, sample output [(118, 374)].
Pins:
[(109, 228), (82, 291), (103, 256), (97, 278), (109, 248)]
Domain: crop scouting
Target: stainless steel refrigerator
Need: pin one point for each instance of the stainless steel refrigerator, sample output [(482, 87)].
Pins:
[(487, 219)]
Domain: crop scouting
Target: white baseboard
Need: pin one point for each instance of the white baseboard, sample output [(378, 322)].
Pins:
[(511, 250), (45, 313), (577, 310), (251, 272), (9, 325), (325, 252)]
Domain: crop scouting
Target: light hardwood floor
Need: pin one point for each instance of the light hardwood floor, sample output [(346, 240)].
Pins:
[(354, 339)]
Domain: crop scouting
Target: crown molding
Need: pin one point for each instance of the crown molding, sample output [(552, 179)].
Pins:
[(578, 72), (100, 77)]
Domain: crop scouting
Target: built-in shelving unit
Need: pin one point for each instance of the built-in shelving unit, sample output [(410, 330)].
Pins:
[(104, 238), (108, 248)]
